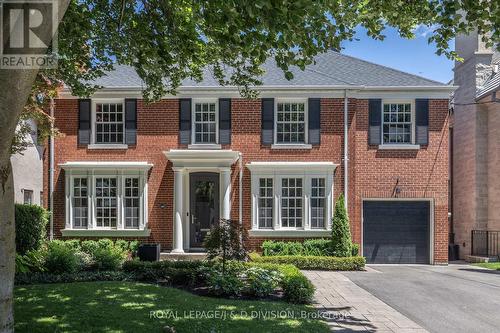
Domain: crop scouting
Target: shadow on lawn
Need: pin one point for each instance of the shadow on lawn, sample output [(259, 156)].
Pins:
[(135, 307)]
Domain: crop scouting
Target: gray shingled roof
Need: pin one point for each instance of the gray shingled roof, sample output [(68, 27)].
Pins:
[(331, 69), (490, 86)]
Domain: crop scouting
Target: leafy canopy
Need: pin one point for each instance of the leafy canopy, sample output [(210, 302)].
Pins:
[(168, 41)]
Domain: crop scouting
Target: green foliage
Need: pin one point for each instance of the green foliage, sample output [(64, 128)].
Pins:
[(32, 261), (61, 258), (316, 263), (225, 284), (355, 249), (225, 241), (296, 287), (182, 273), (310, 247), (341, 232), (262, 282), (108, 258), (46, 277), (89, 246), (31, 224)]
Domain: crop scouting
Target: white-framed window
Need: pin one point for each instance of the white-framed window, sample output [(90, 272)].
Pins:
[(106, 202), (290, 121), (265, 203), (80, 202), (318, 203), (291, 203), (205, 117), (132, 202), (398, 121), (108, 121), (295, 197), (28, 196), (109, 200)]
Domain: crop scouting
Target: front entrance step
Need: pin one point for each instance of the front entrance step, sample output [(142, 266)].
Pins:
[(183, 256), (476, 259)]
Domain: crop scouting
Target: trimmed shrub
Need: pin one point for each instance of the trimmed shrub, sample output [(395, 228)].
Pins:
[(310, 247), (317, 263), (89, 246), (31, 223), (108, 258), (61, 258), (42, 277), (174, 272), (317, 247), (341, 232)]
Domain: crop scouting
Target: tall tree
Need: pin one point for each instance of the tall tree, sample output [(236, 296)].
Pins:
[(168, 41)]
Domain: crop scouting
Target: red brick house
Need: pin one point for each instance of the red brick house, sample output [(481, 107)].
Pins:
[(162, 173)]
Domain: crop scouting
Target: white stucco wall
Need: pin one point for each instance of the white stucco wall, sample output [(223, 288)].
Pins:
[(27, 169)]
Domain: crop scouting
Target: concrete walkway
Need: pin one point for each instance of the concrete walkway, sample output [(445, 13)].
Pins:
[(349, 308)]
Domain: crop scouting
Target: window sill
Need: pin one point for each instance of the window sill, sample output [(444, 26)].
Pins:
[(398, 147), (105, 233), (291, 146), (289, 233), (107, 146), (204, 146)]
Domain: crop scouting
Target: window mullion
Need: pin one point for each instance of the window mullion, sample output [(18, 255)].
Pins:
[(307, 202), (277, 202)]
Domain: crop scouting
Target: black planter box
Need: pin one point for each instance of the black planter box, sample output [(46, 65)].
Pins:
[(149, 252)]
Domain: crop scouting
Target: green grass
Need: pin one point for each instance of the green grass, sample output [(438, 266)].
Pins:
[(490, 265), (127, 307)]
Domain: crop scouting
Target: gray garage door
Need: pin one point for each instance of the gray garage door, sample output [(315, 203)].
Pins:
[(396, 232)]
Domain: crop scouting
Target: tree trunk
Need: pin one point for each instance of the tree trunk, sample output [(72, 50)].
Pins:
[(15, 87)]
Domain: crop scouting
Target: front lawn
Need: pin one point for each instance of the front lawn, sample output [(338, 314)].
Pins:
[(137, 307), (490, 265)]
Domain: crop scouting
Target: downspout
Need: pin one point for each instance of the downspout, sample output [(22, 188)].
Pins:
[(346, 149), (51, 171), (240, 189)]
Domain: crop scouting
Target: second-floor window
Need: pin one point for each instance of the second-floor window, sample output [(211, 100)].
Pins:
[(109, 123), (205, 122), (397, 123), (290, 122)]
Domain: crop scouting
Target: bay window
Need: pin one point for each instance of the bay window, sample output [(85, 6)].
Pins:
[(106, 196)]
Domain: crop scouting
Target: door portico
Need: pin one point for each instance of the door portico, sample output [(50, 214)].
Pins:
[(185, 163)]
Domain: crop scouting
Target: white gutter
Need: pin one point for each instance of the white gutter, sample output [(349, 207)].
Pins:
[(346, 148), (51, 172)]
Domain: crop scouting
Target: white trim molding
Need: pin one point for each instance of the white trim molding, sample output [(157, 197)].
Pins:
[(105, 233), (396, 146), (278, 171), (111, 165), (290, 233), (202, 158)]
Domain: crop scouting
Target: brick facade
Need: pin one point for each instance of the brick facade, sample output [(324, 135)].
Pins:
[(373, 173)]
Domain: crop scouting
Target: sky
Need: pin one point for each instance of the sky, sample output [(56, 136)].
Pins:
[(412, 56)]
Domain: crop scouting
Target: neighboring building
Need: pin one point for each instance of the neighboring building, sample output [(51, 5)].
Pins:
[(476, 141), (27, 170), (164, 172)]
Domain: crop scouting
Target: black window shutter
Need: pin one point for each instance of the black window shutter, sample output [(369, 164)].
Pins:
[(224, 121), (267, 121), (314, 119), (84, 115), (185, 121), (375, 121), (422, 121), (131, 121)]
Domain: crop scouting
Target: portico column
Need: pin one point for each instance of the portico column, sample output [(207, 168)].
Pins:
[(225, 177), (178, 209)]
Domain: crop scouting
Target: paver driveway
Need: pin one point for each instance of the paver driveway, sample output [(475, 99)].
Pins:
[(454, 298)]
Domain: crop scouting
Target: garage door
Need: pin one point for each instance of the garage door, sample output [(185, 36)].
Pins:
[(396, 232)]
